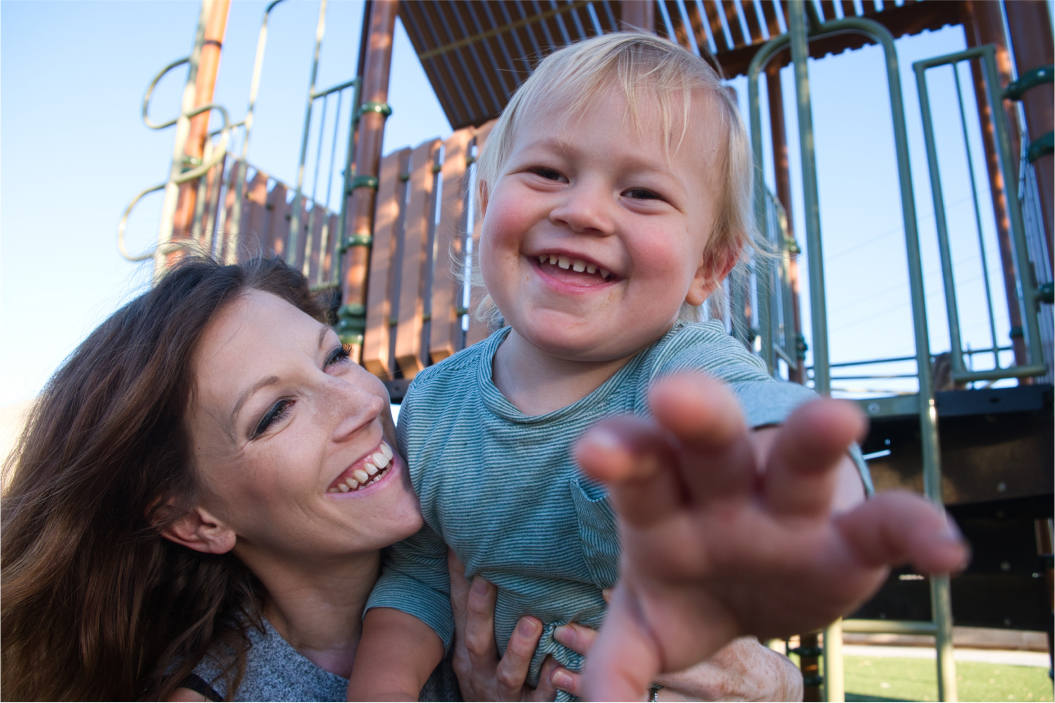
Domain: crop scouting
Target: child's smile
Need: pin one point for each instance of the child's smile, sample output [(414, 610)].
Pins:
[(595, 230)]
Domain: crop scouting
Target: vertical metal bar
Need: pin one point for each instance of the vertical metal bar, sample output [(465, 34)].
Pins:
[(168, 209), (346, 187), (294, 222), (951, 309), (800, 55), (977, 217), (241, 164), (834, 676), (310, 229), (1027, 289)]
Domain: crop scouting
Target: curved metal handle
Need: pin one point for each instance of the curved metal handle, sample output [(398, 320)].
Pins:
[(124, 224), (219, 151), (150, 93)]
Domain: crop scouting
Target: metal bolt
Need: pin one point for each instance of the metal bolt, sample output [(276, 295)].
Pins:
[(873, 408), (1002, 487)]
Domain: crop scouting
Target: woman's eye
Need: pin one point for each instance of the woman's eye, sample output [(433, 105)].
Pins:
[(547, 173), (338, 355), (274, 413), (642, 194)]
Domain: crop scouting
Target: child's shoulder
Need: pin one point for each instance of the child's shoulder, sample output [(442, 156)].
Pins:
[(707, 347)]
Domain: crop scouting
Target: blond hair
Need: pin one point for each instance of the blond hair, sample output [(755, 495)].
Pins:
[(648, 70)]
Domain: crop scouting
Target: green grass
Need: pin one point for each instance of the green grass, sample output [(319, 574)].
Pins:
[(895, 679)]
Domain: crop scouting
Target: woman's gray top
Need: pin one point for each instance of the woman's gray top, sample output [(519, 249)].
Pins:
[(275, 671)]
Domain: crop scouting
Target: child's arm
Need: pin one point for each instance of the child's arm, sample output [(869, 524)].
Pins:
[(396, 656), (718, 543)]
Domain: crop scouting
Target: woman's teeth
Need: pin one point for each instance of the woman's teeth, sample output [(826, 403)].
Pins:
[(373, 469), (576, 265)]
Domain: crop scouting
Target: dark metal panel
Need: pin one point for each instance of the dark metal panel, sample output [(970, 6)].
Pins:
[(769, 10), (461, 57), (681, 32), (748, 9), (732, 21)]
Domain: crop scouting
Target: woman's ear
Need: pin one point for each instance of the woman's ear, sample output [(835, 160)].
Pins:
[(201, 531), (715, 267)]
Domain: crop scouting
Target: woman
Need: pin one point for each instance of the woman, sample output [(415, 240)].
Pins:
[(195, 478)]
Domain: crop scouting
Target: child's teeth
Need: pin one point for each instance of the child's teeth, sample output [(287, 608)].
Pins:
[(370, 468), (552, 259), (543, 259), (386, 450), (360, 476), (605, 274), (564, 262), (591, 269), (578, 266)]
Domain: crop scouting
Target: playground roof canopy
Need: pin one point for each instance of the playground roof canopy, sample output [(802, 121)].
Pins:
[(476, 53)]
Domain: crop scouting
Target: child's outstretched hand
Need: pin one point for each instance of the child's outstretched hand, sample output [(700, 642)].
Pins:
[(720, 542)]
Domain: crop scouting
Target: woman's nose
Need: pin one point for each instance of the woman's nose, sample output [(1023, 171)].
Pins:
[(351, 408), (585, 209)]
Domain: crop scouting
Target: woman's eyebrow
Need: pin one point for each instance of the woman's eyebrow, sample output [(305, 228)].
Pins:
[(262, 383)]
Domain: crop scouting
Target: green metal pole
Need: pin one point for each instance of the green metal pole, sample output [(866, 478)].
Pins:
[(819, 315)]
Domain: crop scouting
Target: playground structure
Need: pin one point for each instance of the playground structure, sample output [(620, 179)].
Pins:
[(379, 245)]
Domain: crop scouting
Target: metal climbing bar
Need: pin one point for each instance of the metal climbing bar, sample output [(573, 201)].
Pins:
[(1028, 296), (798, 39)]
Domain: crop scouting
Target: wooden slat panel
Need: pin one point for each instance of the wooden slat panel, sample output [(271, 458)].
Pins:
[(380, 297), (254, 215), (711, 8), (278, 230), (732, 20), (416, 254), (828, 10), (477, 330), (681, 32), (445, 328), (696, 26), (753, 26), (769, 10), (228, 248)]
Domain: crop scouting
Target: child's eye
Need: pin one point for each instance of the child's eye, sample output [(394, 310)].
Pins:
[(275, 412), (548, 173), (337, 356), (642, 194)]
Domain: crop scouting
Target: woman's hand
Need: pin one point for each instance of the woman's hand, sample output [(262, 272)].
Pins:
[(719, 542), (481, 675)]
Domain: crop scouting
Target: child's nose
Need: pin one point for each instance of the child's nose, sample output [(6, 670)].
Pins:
[(586, 210)]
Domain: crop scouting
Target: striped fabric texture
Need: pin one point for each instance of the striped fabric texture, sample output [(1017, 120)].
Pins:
[(502, 490)]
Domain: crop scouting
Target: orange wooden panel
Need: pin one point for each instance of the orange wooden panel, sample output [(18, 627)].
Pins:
[(391, 191), (445, 336), (228, 246), (317, 219), (477, 330), (415, 259), (303, 236), (254, 216), (278, 230)]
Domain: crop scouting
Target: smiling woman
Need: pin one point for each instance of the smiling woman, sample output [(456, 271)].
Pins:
[(208, 467)]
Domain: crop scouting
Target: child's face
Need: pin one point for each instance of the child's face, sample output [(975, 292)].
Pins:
[(601, 193)]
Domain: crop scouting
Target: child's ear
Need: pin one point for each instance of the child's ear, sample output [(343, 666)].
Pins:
[(715, 267), (201, 531), (483, 195)]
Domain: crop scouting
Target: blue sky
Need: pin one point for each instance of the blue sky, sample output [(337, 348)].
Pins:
[(75, 152)]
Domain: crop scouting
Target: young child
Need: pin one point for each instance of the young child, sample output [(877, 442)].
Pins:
[(615, 195)]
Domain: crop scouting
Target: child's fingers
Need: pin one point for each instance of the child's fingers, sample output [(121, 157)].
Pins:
[(800, 470), (480, 623), (896, 527), (624, 659), (635, 458), (513, 669), (705, 418)]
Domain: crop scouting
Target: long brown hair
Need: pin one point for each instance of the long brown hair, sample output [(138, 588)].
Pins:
[(96, 604)]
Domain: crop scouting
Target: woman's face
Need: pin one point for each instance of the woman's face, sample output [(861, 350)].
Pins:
[(285, 428)]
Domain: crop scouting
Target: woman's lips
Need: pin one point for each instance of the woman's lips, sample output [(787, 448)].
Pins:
[(365, 472)]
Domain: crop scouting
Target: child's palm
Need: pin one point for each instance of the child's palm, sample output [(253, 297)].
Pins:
[(713, 548)]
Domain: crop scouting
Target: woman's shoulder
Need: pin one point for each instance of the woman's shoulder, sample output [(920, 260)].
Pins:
[(274, 671)]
